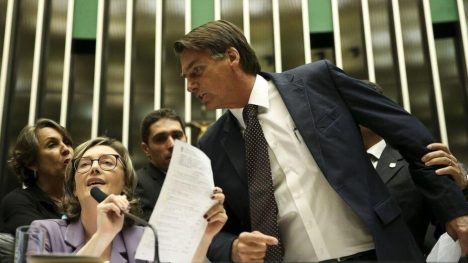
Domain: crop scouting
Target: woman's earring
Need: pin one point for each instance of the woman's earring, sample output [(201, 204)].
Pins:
[(34, 174)]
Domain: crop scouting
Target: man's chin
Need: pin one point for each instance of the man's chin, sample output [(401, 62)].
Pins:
[(211, 107)]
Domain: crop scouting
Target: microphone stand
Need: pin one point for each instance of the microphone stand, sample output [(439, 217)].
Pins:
[(156, 244), (156, 240)]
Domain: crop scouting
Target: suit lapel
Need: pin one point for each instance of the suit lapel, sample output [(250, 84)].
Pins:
[(389, 164), (233, 144), (297, 102)]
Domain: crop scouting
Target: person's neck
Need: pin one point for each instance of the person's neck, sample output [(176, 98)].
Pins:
[(88, 218), (53, 188), (164, 171), (245, 83), (371, 141)]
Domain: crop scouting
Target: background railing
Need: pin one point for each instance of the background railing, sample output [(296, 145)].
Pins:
[(98, 66)]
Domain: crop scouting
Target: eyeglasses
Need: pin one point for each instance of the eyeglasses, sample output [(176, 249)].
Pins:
[(107, 162)]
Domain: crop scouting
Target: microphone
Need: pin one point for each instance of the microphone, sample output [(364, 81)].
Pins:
[(99, 196)]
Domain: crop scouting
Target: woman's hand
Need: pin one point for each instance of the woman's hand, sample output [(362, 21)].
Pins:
[(109, 222), (440, 155), (216, 215), (110, 218)]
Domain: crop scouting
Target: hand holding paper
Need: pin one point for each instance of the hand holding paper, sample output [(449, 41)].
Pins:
[(179, 212)]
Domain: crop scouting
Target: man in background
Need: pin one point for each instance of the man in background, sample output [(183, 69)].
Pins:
[(159, 130), (395, 173)]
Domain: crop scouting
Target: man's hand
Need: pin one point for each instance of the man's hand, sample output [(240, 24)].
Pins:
[(251, 246), (458, 229), (441, 155)]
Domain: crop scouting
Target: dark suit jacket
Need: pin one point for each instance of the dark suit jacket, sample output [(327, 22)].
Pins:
[(326, 106), (415, 208), (150, 182)]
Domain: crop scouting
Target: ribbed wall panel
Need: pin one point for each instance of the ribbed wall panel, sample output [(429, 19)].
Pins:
[(105, 86)]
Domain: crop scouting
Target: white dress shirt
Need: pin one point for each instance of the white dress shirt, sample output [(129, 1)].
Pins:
[(376, 150), (314, 221)]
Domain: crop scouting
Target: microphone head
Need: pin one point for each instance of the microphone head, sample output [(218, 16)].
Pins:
[(98, 194)]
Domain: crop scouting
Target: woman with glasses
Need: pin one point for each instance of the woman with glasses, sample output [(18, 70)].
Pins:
[(39, 158), (101, 229)]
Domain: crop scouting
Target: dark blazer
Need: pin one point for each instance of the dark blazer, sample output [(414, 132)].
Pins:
[(395, 173), (22, 206), (150, 181), (326, 106)]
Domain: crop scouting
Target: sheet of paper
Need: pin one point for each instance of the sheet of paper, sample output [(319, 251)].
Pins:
[(178, 214), (445, 250)]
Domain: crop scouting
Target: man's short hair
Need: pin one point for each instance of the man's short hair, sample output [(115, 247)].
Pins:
[(216, 37)]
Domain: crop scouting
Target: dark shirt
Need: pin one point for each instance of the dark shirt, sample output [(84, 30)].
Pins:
[(150, 182), (22, 206)]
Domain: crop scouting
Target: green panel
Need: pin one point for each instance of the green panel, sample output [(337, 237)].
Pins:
[(85, 19), (320, 16), (202, 12), (444, 11)]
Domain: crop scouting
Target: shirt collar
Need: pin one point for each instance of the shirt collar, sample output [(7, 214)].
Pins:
[(377, 149), (258, 96), (74, 235)]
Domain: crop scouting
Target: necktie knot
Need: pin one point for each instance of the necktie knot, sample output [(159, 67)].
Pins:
[(250, 111), (372, 157)]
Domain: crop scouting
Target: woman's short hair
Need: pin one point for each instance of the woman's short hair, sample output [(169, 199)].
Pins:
[(26, 149), (71, 205), (216, 37)]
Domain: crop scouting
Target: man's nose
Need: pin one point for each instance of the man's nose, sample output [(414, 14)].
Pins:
[(191, 85), (170, 141)]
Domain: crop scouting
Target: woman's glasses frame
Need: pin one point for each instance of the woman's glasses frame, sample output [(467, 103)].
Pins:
[(106, 166)]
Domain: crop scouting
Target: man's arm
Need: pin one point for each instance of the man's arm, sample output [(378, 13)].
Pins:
[(409, 136)]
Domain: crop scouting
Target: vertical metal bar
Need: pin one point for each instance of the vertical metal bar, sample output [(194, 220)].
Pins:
[(277, 36), (336, 34), (188, 97), (368, 40), (217, 16), (67, 63), (128, 72), (158, 56), (464, 37), (97, 68), (36, 71), (401, 55), (306, 31), (246, 19), (217, 9), (435, 72), (6, 57)]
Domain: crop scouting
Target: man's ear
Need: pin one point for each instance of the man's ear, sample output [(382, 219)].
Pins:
[(233, 55), (145, 148)]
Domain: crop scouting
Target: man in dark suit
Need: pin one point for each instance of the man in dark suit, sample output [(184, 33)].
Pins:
[(395, 173), (159, 130), (331, 203)]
